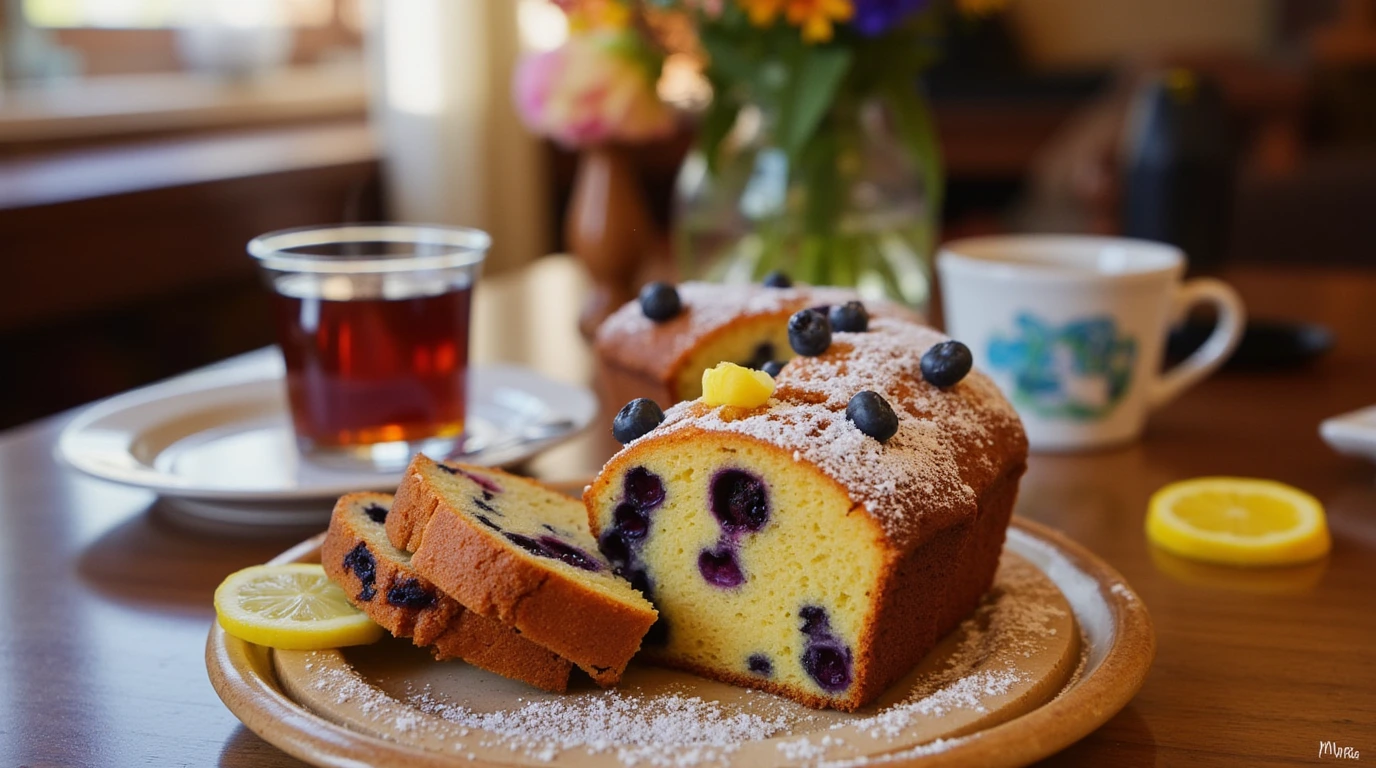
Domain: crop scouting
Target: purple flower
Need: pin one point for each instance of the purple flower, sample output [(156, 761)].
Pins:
[(875, 17)]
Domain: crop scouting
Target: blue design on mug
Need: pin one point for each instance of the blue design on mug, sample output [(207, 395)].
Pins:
[(1080, 370)]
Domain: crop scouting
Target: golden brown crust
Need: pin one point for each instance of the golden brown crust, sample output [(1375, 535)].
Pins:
[(929, 591), (414, 506), (806, 698), (490, 578), (411, 511), (493, 646), (453, 633), (639, 358), (424, 624)]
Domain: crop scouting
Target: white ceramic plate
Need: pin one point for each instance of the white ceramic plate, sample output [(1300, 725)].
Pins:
[(225, 434), (1352, 433)]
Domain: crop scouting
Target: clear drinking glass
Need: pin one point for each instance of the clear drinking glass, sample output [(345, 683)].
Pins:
[(373, 324)]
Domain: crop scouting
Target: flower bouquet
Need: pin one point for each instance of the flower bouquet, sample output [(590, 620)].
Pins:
[(599, 86), (816, 155), (596, 94)]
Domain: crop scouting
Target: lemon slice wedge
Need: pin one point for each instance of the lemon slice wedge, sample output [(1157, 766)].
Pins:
[(1238, 521), (292, 607)]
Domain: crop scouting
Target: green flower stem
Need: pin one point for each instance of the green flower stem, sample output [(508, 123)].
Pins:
[(811, 228)]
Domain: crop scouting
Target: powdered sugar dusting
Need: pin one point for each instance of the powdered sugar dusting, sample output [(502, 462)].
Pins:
[(799, 750), (1120, 589), (664, 729), (673, 727), (1010, 624), (709, 307), (343, 686), (984, 664), (949, 442)]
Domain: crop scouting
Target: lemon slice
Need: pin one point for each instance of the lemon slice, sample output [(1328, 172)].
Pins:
[(293, 607), (1238, 521)]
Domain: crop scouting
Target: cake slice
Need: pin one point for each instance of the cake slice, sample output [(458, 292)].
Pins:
[(515, 551), (817, 545), (378, 579)]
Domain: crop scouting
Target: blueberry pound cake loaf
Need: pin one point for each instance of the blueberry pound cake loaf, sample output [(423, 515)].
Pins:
[(819, 544), (658, 346), (378, 579), (514, 551)]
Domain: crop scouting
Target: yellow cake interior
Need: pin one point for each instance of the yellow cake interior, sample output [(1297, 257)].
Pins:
[(545, 525), (741, 344), (806, 551)]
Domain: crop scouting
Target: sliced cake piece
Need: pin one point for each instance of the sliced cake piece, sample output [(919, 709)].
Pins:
[(515, 551), (378, 579)]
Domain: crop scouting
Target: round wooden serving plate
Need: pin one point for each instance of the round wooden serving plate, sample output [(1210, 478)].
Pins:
[(1058, 647)]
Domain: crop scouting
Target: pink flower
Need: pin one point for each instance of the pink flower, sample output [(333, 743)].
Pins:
[(710, 8), (596, 87)]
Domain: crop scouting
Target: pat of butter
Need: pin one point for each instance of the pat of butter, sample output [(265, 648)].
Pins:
[(731, 384)]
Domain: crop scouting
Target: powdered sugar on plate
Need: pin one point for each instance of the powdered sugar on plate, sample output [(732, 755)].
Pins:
[(663, 729), (1010, 624), (678, 725)]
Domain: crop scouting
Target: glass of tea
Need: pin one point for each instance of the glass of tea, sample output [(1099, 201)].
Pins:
[(373, 323)]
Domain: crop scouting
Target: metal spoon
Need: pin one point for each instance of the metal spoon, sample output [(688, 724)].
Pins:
[(531, 433)]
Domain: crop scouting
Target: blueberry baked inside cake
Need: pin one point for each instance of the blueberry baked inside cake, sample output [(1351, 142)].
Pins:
[(512, 550), (378, 579), (818, 544)]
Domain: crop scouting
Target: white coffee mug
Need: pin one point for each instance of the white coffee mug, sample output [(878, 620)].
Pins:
[(1073, 329)]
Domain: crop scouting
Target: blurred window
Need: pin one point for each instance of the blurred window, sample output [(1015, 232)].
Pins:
[(161, 14), (541, 24), (64, 38)]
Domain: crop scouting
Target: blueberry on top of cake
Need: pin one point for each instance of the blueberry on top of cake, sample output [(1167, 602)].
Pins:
[(790, 548)]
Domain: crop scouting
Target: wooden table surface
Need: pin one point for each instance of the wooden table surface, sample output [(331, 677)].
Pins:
[(107, 599)]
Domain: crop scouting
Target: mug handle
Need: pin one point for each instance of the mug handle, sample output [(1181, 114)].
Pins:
[(1232, 319)]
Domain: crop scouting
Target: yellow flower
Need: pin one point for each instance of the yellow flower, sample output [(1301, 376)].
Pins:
[(586, 15), (762, 12), (816, 16)]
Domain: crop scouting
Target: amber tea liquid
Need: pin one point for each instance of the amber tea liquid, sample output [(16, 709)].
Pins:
[(374, 360)]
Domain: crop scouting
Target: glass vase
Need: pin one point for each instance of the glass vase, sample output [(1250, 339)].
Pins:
[(853, 208)]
